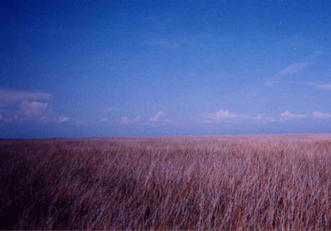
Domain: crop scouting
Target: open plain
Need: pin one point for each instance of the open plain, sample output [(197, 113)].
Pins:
[(271, 182)]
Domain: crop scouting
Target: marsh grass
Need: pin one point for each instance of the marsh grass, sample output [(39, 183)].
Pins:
[(221, 182)]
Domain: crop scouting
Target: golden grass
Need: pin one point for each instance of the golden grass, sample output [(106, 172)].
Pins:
[(219, 182)]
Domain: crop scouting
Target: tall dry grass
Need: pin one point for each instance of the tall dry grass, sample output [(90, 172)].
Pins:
[(230, 183)]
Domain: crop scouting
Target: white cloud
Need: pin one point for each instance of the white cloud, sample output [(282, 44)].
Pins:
[(319, 85), (62, 119), (220, 115), (157, 116), (33, 108), (224, 115), (317, 114), (289, 115), (19, 106), (258, 117), (8, 97), (126, 120), (51, 118)]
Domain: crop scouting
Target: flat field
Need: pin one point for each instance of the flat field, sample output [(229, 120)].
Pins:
[(212, 182)]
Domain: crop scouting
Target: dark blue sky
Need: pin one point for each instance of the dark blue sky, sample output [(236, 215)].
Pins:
[(144, 68)]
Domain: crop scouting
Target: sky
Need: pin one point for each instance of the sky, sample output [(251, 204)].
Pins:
[(161, 68)]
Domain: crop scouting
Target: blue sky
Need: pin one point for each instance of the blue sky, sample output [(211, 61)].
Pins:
[(152, 68)]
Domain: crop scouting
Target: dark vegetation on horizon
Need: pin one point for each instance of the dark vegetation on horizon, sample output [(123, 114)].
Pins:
[(248, 182)]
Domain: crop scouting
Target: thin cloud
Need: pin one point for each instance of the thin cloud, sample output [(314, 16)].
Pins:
[(292, 69), (258, 117), (104, 120), (33, 108), (126, 120), (157, 116), (161, 42), (8, 97), (25, 111), (320, 85), (79, 123), (315, 114), (49, 118)]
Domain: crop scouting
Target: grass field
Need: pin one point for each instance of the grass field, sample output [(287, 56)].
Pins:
[(216, 182)]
